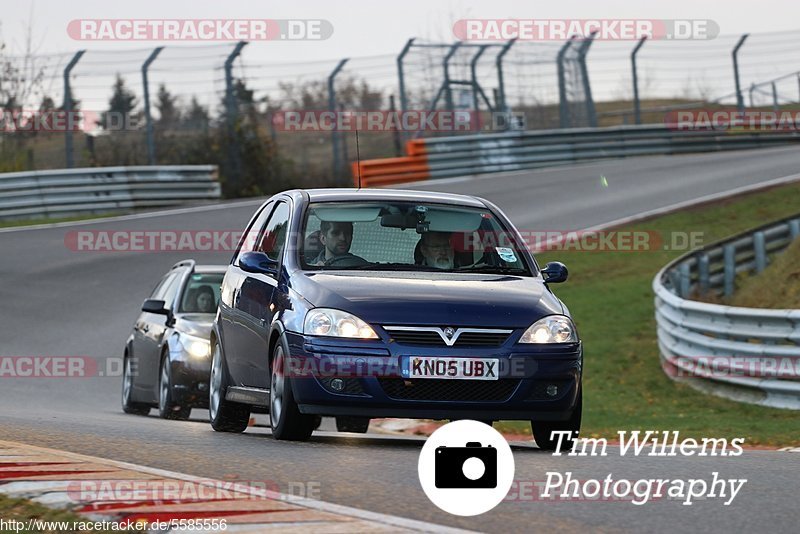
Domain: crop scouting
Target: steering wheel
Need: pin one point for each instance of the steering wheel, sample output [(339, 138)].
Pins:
[(346, 261)]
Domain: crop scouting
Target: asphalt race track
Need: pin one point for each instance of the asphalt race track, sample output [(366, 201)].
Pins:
[(59, 302)]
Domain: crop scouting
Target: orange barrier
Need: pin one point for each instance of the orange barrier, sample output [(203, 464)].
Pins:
[(387, 171)]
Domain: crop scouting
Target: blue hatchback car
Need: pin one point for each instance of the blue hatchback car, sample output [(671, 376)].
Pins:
[(361, 304)]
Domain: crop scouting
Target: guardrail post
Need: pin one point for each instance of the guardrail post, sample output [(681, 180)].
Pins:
[(401, 80), (337, 162), (231, 113), (760, 248), (735, 54), (703, 277), (794, 228), (151, 147), (637, 111), (591, 116), (563, 107), (685, 279), (70, 161), (729, 258)]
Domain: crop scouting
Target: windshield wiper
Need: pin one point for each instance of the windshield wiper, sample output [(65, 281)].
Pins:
[(394, 267), (493, 269)]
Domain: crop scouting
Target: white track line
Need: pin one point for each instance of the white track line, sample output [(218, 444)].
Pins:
[(305, 502)]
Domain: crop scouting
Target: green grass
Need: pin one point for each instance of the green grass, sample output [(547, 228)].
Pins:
[(24, 510), (777, 287), (610, 297), (29, 222)]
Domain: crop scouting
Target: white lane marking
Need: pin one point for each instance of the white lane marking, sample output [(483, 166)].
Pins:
[(134, 216), (693, 202), (305, 502)]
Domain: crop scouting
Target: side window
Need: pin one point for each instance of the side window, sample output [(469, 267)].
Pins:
[(171, 289), (250, 237), (273, 238)]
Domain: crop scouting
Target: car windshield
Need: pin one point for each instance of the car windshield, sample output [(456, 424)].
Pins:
[(201, 293), (408, 236)]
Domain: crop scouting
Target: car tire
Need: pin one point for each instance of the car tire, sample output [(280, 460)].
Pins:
[(224, 415), (167, 407), (542, 430), (285, 418), (128, 405), (359, 425)]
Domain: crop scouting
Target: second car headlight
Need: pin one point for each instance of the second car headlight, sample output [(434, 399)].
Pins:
[(196, 346), (336, 323), (551, 329)]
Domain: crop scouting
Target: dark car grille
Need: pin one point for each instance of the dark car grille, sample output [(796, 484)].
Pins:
[(466, 339), (449, 390)]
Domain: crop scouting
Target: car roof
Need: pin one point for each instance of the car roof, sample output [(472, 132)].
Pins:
[(350, 194)]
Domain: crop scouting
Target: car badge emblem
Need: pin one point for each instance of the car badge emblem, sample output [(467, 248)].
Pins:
[(449, 332)]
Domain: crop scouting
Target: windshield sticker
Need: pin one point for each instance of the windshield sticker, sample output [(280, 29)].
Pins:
[(506, 254)]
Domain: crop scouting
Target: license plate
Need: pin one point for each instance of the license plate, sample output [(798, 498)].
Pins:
[(455, 368)]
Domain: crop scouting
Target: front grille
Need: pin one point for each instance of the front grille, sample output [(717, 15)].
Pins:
[(465, 339), (435, 389)]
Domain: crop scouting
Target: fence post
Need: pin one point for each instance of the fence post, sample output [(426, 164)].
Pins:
[(151, 146), (729, 258), (752, 88), (735, 54), (760, 249), (473, 71), (70, 161), (637, 111), (703, 268), (337, 162), (448, 92), (401, 79), (563, 110), (231, 112), (775, 105), (500, 101), (587, 88)]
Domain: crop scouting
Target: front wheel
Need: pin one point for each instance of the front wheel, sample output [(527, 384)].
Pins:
[(543, 430), (128, 405), (167, 407), (284, 416), (225, 416)]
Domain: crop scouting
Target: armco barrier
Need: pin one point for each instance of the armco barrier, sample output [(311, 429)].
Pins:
[(59, 193), (746, 354), (443, 157)]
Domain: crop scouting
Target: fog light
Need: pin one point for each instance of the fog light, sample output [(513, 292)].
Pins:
[(337, 384), (552, 390)]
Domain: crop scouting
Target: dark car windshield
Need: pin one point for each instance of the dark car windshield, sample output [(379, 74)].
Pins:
[(201, 293), (407, 236)]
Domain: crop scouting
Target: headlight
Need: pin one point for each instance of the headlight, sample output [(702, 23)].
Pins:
[(195, 346), (551, 329), (336, 323)]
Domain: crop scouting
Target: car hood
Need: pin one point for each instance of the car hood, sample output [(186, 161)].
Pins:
[(424, 298), (194, 324)]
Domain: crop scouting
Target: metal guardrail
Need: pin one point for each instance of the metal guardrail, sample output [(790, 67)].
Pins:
[(60, 193), (745, 354), (443, 157)]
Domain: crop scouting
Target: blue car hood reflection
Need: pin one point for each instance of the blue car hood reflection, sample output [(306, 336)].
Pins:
[(424, 298)]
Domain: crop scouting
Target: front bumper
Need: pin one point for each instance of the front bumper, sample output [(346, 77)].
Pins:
[(190, 376), (535, 382)]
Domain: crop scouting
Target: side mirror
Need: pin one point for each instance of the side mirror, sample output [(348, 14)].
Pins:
[(155, 306), (258, 263), (555, 272)]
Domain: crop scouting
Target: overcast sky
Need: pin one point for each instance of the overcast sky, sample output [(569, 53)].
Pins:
[(381, 27)]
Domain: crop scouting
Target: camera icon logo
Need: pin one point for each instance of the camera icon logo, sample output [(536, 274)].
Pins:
[(466, 468), (472, 466)]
